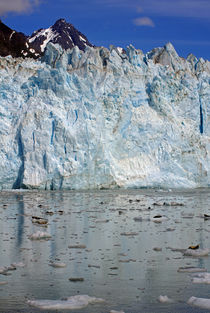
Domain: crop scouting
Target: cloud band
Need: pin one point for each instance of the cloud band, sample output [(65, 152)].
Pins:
[(17, 6), (144, 21)]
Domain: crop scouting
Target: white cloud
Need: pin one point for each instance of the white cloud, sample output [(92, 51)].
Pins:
[(17, 6), (143, 21)]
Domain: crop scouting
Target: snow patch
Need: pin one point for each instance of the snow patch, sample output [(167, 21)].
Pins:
[(10, 37), (120, 50), (83, 39), (48, 33)]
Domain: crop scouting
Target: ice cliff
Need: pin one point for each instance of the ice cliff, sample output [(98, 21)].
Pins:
[(104, 119)]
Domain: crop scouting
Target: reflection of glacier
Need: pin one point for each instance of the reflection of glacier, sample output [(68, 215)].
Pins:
[(105, 118)]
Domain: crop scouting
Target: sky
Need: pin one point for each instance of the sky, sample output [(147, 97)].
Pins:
[(145, 24)]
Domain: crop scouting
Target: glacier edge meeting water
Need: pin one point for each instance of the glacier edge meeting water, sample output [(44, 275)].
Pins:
[(105, 118)]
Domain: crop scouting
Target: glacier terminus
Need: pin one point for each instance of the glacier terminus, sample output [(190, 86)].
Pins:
[(104, 118)]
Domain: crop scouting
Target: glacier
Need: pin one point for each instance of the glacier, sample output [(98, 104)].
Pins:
[(104, 118)]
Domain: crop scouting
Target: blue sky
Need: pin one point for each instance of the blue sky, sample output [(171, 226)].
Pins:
[(146, 24)]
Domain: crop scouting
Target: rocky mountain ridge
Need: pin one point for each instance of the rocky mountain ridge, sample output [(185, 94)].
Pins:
[(15, 44), (19, 45)]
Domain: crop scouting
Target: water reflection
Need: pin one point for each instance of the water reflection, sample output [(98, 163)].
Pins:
[(116, 265), (20, 222)]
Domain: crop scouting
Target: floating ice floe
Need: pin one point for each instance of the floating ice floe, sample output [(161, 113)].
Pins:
[(196, 253), (71, 303), (57, 264), (3, 269), (189, 269), (11, 267), (164, 299), (202, 278), (40, 235), (199, 302)]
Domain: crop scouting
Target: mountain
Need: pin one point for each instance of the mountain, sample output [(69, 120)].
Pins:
[(105, 118), (18, 45), (62, 33), (14, 43)]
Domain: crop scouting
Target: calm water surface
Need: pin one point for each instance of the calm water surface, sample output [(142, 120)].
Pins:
[(120, 267)]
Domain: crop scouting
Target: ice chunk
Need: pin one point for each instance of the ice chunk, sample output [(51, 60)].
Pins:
[(199, 302), (196, 253), (40, 235), (164, 299), (3, 269), (202, 278), (71, 303)]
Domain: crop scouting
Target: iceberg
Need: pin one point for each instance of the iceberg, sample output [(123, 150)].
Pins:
[(104, 118)]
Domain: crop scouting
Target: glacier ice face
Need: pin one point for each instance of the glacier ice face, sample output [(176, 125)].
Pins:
[(104, 119)]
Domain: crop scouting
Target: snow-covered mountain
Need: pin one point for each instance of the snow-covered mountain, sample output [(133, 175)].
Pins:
[(63, 33), (105, 118), (18, 45)]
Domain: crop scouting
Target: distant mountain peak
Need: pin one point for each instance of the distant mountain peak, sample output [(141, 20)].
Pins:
[(18, 45), (63, 33), (61, 21)]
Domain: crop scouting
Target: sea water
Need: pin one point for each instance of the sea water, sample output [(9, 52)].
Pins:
[(124, 246)]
